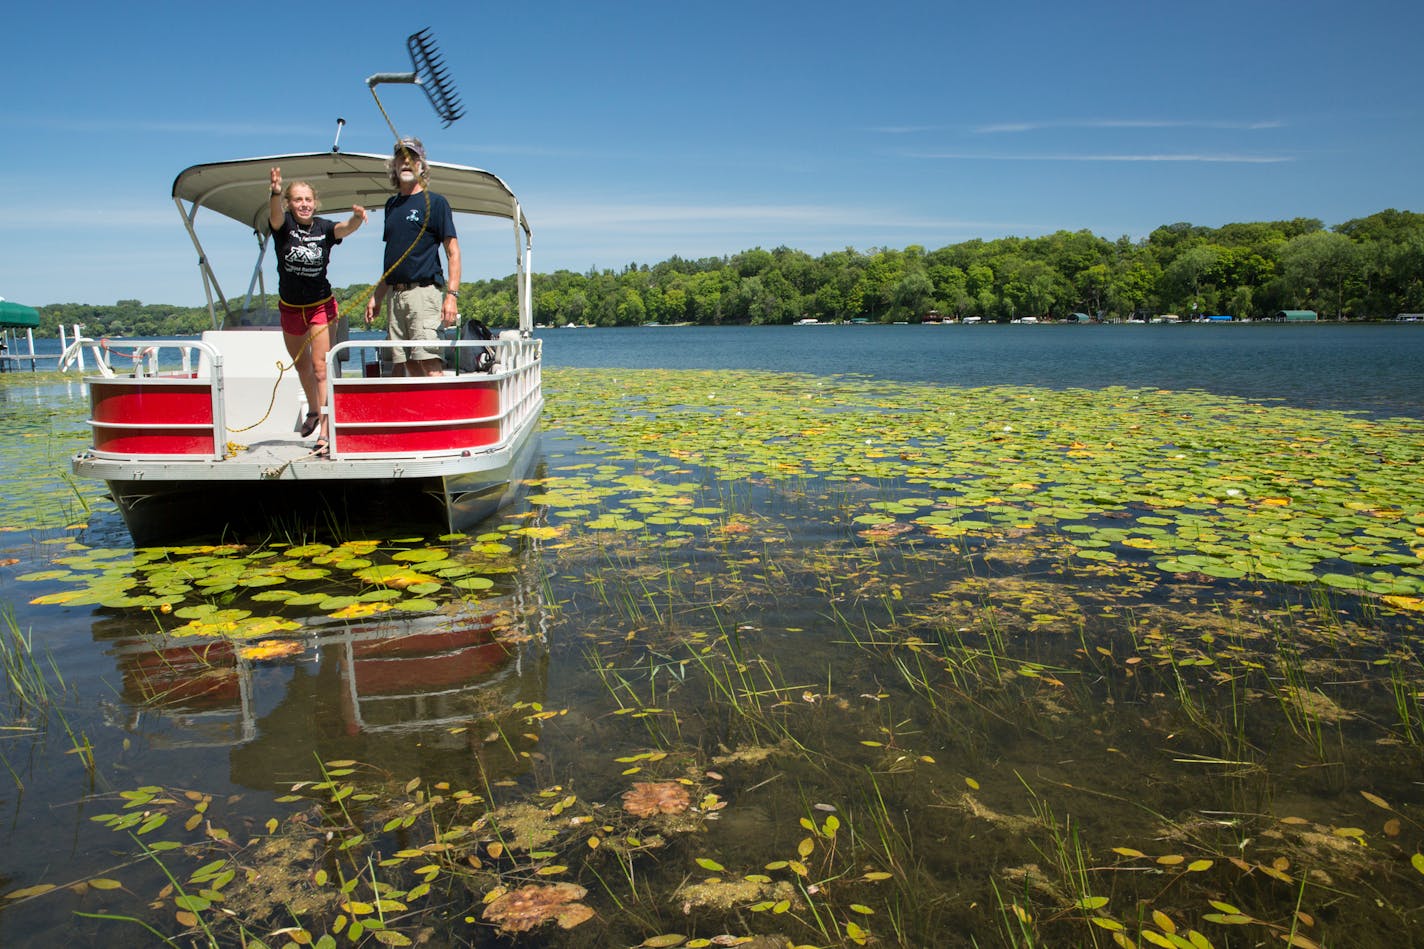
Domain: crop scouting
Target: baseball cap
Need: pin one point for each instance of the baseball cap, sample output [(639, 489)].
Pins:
[(411, 145)]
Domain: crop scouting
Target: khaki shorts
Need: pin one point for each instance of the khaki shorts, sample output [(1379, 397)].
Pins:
[(415, 315)]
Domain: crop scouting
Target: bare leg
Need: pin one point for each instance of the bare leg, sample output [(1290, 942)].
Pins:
[(320, 335)]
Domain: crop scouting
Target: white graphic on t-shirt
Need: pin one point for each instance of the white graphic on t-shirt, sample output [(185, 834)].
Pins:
[(305, 259), (413, 217), (304, 254)]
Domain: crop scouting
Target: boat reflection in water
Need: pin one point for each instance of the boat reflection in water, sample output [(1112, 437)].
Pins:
[(440, 692)]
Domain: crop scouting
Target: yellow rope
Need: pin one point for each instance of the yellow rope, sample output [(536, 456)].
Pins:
[(389, 124)]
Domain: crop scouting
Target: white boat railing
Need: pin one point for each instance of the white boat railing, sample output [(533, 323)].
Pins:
[(432, 416), (171, 401), (143, 355), (176, 414)]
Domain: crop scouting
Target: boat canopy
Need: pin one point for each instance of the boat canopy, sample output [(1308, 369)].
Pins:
[(241, 189)]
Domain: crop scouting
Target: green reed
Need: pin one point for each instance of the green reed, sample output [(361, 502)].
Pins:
[(1018, 924), (1297, 699), (35, 694), (29, 685), (1406, 687)]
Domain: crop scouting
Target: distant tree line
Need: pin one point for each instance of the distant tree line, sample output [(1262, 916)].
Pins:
[(125, 318), (135, 318), (1371, 267)]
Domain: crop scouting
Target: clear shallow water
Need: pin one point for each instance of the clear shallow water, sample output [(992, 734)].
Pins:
[(818, 616)]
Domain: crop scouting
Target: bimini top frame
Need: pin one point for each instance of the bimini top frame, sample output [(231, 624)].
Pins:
[(241, 190)]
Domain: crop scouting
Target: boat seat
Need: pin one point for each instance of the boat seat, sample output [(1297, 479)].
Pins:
[(250, 358)]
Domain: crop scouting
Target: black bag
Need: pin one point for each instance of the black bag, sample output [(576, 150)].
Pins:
[(472, 358)]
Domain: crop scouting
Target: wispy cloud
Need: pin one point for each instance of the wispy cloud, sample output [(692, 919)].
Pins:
[(635, 217), (1070, 156), (683, 215), (1015, 127)]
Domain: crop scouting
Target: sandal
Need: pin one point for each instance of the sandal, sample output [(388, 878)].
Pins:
[(310, 423), (321, 449)]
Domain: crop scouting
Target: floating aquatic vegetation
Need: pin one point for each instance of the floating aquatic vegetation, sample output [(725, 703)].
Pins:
[(522, 826), (341, 582), (1206, 484), (36, 492), (272, 649), (730, 894), (530, 907), (651, 798)]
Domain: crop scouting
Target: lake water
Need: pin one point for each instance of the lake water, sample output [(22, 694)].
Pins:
[(1016, 635), (1370, 367), (1375, 368)]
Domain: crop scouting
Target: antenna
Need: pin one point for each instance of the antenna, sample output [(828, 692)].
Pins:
[(336, 143), (429, 74)]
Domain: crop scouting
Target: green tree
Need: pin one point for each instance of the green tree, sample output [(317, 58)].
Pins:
[(1318, 268), (1092, 285), (1189, 282), (1132, 286), (951, 289), (912, 296), (631, 311)]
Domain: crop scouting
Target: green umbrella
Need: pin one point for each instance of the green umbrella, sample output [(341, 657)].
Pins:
[(13, 314)]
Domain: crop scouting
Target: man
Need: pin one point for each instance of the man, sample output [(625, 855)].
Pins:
[(418, 222)]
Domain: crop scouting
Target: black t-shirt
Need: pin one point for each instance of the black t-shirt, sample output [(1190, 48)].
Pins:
[(302, 256), (404, 214)]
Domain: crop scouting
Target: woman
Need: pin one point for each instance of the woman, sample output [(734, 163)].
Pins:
[(303, 244)]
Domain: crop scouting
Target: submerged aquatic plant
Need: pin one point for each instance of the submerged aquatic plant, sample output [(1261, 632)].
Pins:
[(529, 907), (649, 798), (832, 663)]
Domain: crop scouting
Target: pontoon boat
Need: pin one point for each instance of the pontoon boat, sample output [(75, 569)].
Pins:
[(196, 437)]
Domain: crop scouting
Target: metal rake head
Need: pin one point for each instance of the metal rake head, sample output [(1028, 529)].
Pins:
[(429, 75), (432, 77)]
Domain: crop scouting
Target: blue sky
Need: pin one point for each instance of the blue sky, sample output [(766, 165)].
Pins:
[(634, 131)]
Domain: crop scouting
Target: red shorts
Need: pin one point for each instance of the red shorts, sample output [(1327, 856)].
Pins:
[(296, 318)]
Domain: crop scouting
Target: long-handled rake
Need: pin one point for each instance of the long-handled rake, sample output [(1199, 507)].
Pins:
[(429, 74)]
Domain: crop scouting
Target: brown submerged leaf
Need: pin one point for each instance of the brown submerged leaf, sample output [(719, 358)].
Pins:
[(650, 798), (532, 906)]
